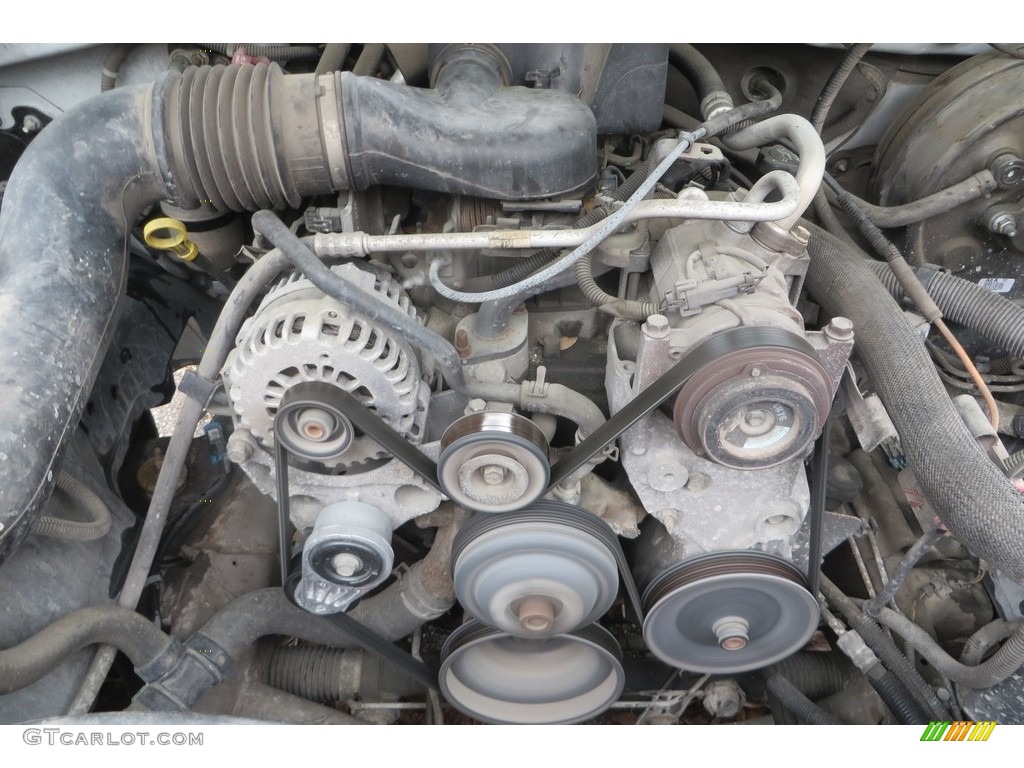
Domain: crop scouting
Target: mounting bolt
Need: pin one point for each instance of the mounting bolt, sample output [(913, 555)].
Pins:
[(1008, 170), (462, 343), (840, 329), (241, 446), (346, 564), (1003, 223), (476, 405), (493, 474), (656, 327), (31, 124)]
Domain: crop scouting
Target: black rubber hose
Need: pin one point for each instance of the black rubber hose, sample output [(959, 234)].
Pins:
[(886, 650), (298, 253), (369, 60), (971, 494), (704, 78), (874, 606), (835, 83), (943, 201), (67, 208), (896, 697), (137, 637), (333, 58), (816, 675), (790, 697), (745, 115), (469, 135), (994, 317), (112, 66), (272, 52), (1003, 663)]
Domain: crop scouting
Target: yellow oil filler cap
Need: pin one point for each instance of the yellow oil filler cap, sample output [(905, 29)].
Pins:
[(166, 234)]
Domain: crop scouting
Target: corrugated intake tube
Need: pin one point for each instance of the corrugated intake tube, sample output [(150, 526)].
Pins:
[(971, 494)]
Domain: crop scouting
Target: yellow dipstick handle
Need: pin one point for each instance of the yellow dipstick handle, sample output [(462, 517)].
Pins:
[(166, 234)]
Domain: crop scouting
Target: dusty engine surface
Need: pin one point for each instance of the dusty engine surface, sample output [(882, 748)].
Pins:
[(515, 383)]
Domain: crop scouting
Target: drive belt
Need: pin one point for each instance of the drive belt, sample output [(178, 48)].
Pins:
[(291, 575), (367, 639), (726, 342)]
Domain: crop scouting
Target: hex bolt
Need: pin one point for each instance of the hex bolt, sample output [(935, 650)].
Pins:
[(346, 564), (493, 474), (462, 343), (1008, 170), (241, 446), (840, 329), (476, 405), (656, 327)]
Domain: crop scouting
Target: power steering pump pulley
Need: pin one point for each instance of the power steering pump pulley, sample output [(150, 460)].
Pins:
[(728, 612)]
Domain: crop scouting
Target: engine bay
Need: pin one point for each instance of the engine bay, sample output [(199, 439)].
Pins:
[(512, 383)]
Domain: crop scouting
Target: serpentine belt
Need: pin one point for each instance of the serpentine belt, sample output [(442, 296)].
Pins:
[(726, 342)]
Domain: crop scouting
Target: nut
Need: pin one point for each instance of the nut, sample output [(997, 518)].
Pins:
[(1003, 223)]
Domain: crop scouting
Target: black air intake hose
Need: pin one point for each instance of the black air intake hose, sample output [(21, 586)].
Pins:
[(971, 494), (997, 319), (240, 138)]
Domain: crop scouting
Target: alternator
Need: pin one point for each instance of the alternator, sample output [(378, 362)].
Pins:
[(300, 335)]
